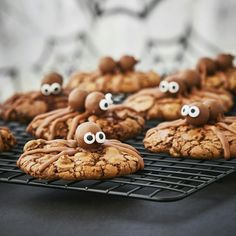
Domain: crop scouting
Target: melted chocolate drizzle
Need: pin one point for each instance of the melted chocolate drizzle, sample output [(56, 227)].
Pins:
[(70, 148)]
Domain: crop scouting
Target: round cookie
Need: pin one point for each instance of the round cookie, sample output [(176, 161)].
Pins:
[(117, 121), (220, 72), (174, 91), (85, 157), (203, 133), (7, 139), (115, 77), (23, 107)]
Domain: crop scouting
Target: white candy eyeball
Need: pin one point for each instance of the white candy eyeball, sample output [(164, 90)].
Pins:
[(173, 87), (185, 110), (100, 137), (164, 86), (103, 104), (46, 89), (108, 97), (89, 138), (194, 111), (55, 88)]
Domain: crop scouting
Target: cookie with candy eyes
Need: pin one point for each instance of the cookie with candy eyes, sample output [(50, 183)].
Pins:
[(202, 133), (23, 107), (7, 139), (114, 77), (218, 72), (173, 86), (164, 102), (117, 121), (90, 156)]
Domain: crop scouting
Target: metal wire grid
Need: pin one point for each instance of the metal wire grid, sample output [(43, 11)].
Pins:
[(163, 179)]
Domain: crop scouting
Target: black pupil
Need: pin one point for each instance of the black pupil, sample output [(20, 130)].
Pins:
[(106, 104), (174, 87), (55, 89), (192, 110), (90, 137), (46, 90), (101, 136)]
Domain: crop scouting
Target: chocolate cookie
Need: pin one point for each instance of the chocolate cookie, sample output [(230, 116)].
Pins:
[(115, 77), (23, 107), (219, 72), (202, 133), (117, 121), (173, 92), (89, 156), (7, 139)]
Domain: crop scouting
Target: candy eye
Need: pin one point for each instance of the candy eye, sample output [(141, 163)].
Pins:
[(55, 88), (46, 89), (164, 86), (89, 138), (100, 137), (103, 104), (173, 87), (194, 111), (108, 97), (185, 110)]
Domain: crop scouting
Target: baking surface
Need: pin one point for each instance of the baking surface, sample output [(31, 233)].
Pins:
[(26, 210)]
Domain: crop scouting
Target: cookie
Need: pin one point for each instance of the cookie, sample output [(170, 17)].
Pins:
[(164, 102), (23, 107), (219, 72), (7, 139), (114, 77), (89, 156), (203, 133), (117, 121)]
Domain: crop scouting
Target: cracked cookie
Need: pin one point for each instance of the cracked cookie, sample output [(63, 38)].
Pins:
[(114, 77), (89, 156), (219, 72), (203, 133), (173, 92), (23, 107), (117, 121), (7, 139)]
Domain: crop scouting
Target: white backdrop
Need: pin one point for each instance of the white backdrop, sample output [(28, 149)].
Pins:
[(41, 35)]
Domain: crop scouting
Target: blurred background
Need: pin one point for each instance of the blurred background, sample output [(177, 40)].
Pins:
[(40, 36)]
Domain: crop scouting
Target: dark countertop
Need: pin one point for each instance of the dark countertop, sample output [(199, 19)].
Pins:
[(26, 210)]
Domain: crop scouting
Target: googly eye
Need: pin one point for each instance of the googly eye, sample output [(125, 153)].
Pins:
[(103, 104), (108, 97), (185, 110), (164, 86), (173, 87), (100, 137), (194, 111), (89, 138), (55, 88), (46, 89)]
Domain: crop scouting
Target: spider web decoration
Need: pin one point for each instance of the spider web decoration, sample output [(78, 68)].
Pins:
[(72, 52), (98, 9), (171, 54), (65, 54)]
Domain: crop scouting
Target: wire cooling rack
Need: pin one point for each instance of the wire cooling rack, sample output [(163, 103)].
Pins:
[(163, 179)]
